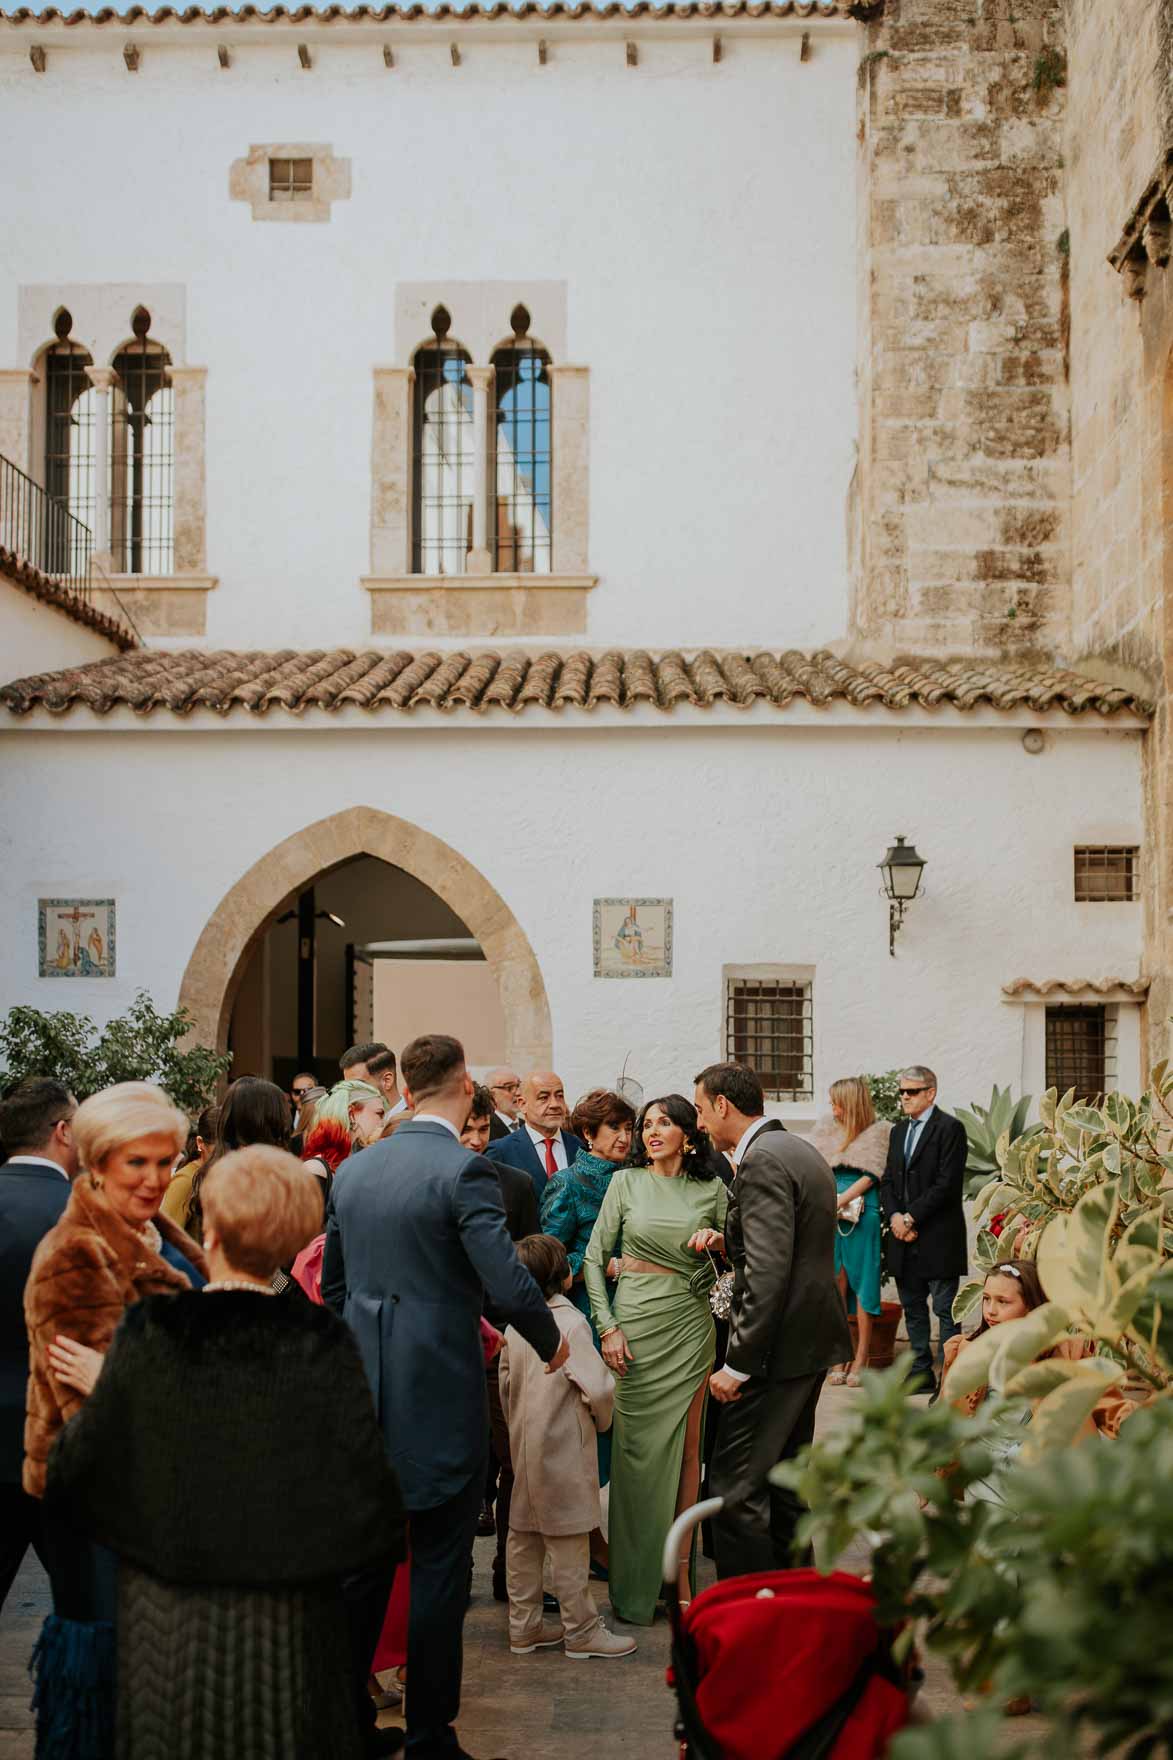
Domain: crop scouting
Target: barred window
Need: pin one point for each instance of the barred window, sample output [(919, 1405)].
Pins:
[(522, 500), (291, 180), (142, 456), (1106, 872), (69, 445), (1080, 1052), (768, 1028), (444, 455)]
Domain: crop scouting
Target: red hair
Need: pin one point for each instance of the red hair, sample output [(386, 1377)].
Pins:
[(328, 1141)]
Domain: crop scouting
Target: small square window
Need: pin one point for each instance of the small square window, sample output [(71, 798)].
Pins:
[(1081, 1044), (768, 1028), (1106, 873), (291, 180)]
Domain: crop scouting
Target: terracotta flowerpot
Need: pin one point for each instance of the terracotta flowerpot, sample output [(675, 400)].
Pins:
[(884, 1326)]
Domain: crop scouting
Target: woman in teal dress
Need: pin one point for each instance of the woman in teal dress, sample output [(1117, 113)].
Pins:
[(573, 1198), (854, 1143), (657, 1337)]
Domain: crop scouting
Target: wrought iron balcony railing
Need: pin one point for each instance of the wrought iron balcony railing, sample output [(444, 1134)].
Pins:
[(38, 532)]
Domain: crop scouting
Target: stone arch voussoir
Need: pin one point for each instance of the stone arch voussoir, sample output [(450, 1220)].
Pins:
[(218, 961)]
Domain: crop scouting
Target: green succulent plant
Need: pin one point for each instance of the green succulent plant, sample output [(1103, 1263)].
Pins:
[(985, 1126)]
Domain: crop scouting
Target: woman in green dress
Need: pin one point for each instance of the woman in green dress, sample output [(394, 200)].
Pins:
[(657, 1337)]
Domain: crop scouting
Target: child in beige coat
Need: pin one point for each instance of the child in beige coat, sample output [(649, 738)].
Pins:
[(552, 1425)]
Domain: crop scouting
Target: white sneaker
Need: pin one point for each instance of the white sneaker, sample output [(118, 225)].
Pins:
[(546, 1639), (603, 1643)]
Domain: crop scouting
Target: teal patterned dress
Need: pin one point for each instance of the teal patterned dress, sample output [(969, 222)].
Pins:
[(570, 1207)]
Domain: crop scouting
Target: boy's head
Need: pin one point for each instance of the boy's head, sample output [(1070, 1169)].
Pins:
[(545, 1260)]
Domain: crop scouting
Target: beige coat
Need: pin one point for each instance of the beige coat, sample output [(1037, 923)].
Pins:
[(553, 1420)]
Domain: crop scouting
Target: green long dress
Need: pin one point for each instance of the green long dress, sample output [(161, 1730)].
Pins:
[(669, 1328)]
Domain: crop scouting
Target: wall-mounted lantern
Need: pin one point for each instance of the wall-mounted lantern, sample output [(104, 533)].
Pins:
[(901, 868)]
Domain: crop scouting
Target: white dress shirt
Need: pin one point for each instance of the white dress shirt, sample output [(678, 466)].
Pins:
[(41, 1161), (399, 1106), (539, 1142), (509, 1123), (434, 1118), (739, 1155)]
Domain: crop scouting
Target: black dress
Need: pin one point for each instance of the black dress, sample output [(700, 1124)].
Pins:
[(229, 1457)]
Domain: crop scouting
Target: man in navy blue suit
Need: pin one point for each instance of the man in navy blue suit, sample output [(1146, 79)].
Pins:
[(415, 1241), (36, 1129), (539, 1145)]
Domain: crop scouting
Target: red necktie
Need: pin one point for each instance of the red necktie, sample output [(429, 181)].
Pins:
[(551, 1164)]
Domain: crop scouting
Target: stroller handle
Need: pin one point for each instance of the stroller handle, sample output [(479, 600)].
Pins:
[(682, 1527)]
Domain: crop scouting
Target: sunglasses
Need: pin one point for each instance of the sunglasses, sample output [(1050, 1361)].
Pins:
[(905, 1092), (300, 1093)]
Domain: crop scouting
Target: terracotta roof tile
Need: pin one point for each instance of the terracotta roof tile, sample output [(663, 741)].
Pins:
[(453, 15), (482, 680), (1060, 987), (49, 592)]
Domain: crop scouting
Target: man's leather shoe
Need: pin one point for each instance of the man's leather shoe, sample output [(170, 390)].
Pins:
[(386, 1741), (486, 1522)]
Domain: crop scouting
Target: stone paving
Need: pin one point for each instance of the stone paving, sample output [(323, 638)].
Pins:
[(538, 1707)]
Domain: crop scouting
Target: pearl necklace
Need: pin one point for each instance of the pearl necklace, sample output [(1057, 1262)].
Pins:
[(258, 1289)]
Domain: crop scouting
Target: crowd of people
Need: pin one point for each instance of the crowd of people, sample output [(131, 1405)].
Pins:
[(439, 1309)]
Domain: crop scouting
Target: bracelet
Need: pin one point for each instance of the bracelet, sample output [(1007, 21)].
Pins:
[(608, 1332)]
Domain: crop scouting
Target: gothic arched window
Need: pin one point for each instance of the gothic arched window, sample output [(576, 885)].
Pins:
[(142, 456), (522, 493), (444, 454), (69, 447)]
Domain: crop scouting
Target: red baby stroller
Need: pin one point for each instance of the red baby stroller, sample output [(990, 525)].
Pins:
[(785, 1665)]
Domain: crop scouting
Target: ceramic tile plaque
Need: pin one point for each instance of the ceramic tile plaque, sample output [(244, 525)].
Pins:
[(75, 937), (633, 937)]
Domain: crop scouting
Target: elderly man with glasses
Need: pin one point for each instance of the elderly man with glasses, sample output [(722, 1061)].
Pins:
[(921, 1196), (505, 1087)]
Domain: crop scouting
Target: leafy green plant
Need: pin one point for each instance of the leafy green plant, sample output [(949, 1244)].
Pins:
[(1085, 1195), (885, 1092), (1050, 71), (141, 1045), (985, 1126), (1087, 1604)]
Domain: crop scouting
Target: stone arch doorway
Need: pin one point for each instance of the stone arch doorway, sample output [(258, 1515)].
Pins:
[(221, 955)]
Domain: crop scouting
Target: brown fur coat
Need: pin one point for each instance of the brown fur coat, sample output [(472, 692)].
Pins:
[(86, 1272), (867, 1154)]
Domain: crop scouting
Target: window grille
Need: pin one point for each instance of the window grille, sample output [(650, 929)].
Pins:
[(444, 455), (522, 500), (1080, 1049), (291, 180), (768, 1028), (69, 445), (1106, 872), (142, 457)]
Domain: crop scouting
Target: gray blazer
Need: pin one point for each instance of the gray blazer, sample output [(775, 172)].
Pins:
[(788, 1317), (415, 1237)]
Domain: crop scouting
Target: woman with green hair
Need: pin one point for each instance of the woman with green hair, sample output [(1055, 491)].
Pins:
[(347, 1120)]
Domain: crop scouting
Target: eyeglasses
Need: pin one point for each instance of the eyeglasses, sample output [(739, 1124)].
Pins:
[(505, 1088), (300, 1093), (905, 1092)]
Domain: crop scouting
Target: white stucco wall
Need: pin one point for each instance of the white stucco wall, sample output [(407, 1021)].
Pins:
[(766, 836), (37, 638), (700, 214)]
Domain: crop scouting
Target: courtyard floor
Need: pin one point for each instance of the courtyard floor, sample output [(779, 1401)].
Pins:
[(538, 1707)]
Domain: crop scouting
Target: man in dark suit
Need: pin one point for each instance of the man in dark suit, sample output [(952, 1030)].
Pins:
[(521, 1218), (787, 1326), (416, 1239), (36, 1129), (921, 1195), (505, 1088), (539, 1146)]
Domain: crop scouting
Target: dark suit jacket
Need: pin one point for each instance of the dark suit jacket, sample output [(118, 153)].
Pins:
[(517, 1150), (930, 1189), (32, 1199), (416, 1238), (497, 1130), (521, 1218), (788, 1317)]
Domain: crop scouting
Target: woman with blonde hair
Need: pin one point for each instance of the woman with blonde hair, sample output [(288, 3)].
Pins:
[(248, 1604), (350, 1118), (110, 1250), (854, 1143)]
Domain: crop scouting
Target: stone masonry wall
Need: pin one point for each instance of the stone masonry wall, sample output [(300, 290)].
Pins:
[(1119, 123), (961, 533)]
